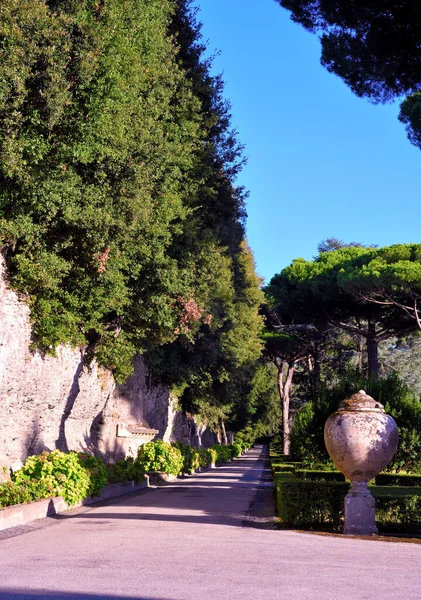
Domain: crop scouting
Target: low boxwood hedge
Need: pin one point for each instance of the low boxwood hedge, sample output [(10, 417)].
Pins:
[(312, 475), (279, 467), (310, 504), (399, 514), (397, 479), (284, 476)]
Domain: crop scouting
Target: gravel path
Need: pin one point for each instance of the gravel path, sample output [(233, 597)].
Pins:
[(210, 536)]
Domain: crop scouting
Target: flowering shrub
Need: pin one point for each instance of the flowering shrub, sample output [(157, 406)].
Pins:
[(191, 458), (102, 259), (204, 458), (224, 454), (236, 449), (12, 493), (220, 454), (97, 472), (160, 456), (69, 474), (213, 455), (190, 313), (126, 470)]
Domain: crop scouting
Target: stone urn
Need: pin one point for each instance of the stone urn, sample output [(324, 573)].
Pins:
[(361, 440)]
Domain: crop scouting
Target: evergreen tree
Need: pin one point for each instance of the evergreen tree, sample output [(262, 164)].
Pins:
[(373, 46), (120, 217)]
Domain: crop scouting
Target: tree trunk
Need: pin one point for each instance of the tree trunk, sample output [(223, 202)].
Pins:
[(359, 354), (372, 350), (281, 368), (310, 367), (285, 407), (313, 363), (224, 438)]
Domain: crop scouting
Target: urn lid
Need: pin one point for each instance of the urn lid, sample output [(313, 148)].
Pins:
[(360, 402)]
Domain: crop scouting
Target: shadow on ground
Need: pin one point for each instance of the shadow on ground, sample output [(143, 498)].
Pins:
[(200, 499), (19, 594)]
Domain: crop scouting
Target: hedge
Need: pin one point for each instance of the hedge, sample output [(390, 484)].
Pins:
[(399, 514), (310, 504), (400, 480), (314, 475), (279, 467), (320, 505)]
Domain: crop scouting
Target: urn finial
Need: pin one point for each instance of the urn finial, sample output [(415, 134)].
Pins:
[(360, 402)]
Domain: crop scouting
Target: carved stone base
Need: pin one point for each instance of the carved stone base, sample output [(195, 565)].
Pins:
[(360, 514)]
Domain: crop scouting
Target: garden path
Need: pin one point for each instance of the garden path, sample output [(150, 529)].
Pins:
[(209, 536)]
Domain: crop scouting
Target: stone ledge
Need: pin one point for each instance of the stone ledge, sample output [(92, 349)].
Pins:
[(21, 514)]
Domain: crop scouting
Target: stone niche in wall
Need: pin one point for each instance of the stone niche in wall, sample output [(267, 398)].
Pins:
[(130, 437)]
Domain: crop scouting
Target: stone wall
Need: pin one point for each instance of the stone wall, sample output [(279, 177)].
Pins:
[(60, 402)]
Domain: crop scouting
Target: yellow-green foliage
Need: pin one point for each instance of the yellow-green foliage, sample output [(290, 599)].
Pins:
[(72, 475), (160, 456)]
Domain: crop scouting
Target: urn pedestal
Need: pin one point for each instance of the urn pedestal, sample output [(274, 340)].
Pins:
[(361, 440)]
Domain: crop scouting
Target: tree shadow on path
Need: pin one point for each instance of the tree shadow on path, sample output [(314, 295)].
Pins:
[(21, 594), (239, 497)]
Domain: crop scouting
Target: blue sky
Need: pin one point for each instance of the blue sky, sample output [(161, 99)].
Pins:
[(321, 162)]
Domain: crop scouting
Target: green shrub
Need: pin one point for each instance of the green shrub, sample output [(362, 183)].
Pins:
[(314, 475), (320, 505), (246, 437), (399, 514), (97, 471), (236, 450), (284, 476), (391, 491), (69, 474), (190, 455), (398, 479), (277, 468), (213, 455), (220, 454), (224, 453), (204, 458), (12, 493), (126, 470), (160, 456), (327, 466), (310, 504), (196, 459)]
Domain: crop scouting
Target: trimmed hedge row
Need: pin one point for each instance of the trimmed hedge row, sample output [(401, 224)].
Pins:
[(280, 467), (309, 504), (399, 514), (314, 498), (399, 480), (313, 475)]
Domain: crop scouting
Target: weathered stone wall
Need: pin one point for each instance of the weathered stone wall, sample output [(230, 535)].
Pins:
[(60, 402)]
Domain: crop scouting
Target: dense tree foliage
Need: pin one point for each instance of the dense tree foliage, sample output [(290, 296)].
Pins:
[(402, 357), (389, 277), (373, 46), (120, 219), (366, 291)]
